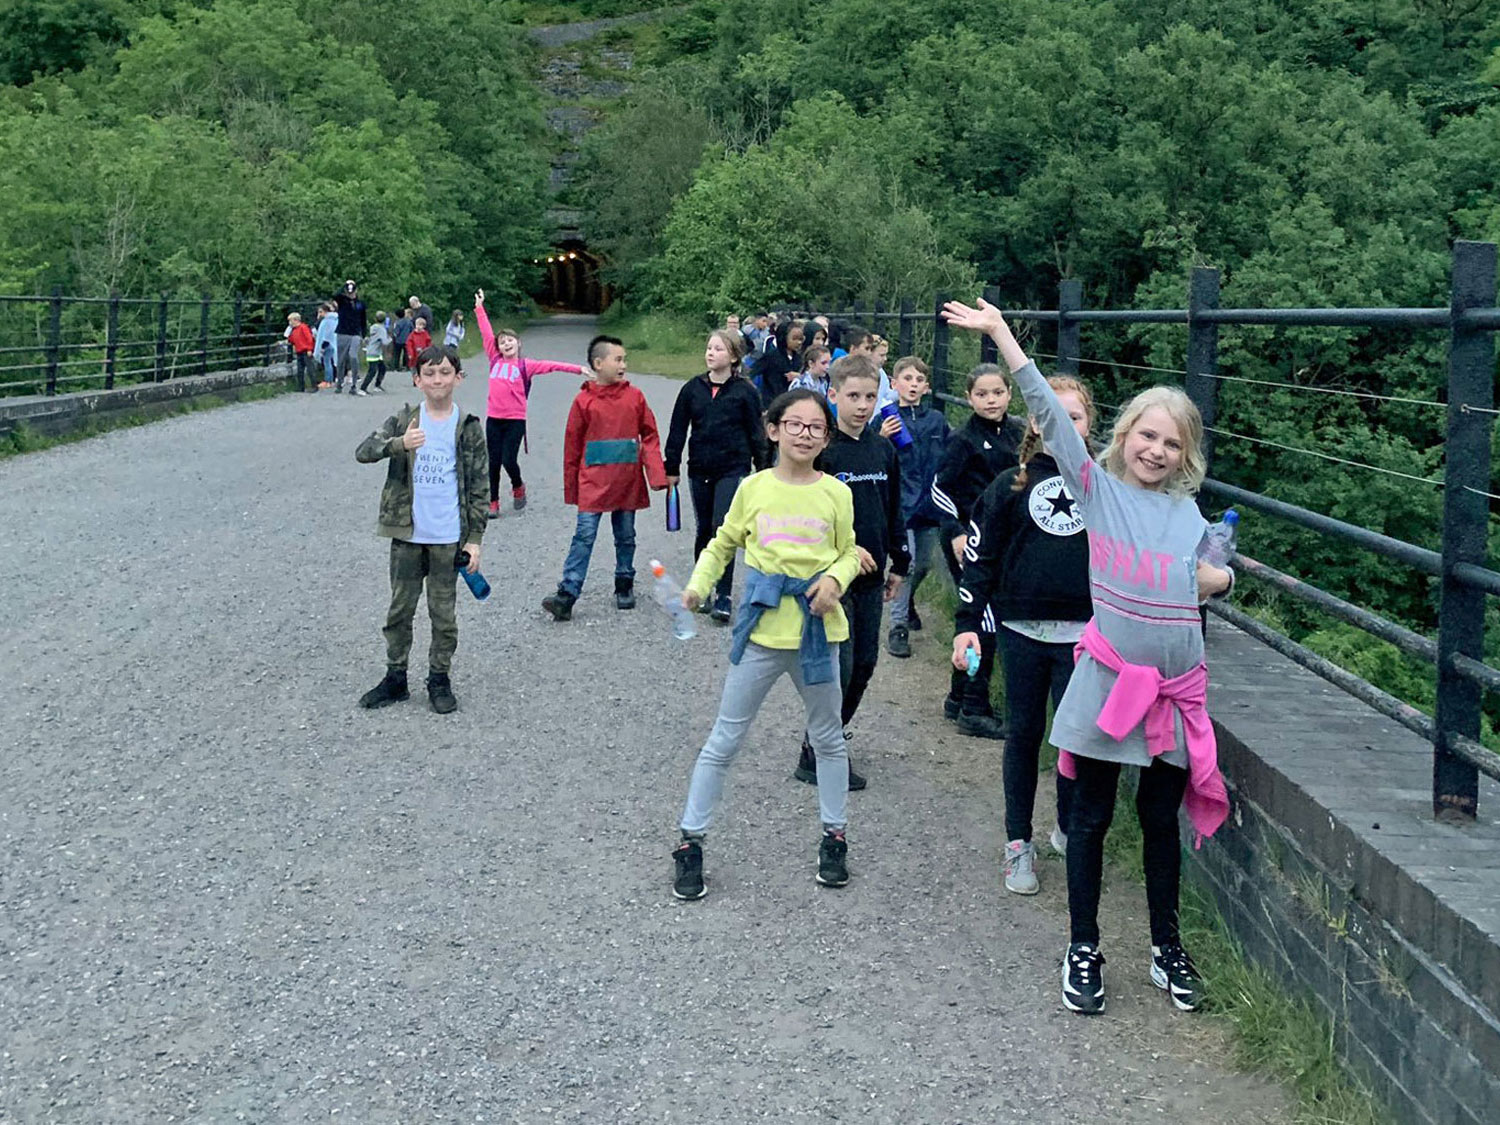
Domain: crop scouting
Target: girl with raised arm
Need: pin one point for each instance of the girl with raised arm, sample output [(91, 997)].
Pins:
[(510, 387), (1137, 694)]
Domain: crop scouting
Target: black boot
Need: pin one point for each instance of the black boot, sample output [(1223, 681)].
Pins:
[(559, 605), (624, 592), (440, 693), (390, 690), (807, 769)]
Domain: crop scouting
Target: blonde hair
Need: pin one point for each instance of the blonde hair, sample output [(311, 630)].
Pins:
[(733, 344), (1032, 442), (1193, 468)]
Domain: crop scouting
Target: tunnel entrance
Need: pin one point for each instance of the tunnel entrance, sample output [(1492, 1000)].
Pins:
[(570, 281)]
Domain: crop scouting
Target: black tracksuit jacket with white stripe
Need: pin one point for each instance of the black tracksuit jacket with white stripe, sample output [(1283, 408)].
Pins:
[(976, 455)]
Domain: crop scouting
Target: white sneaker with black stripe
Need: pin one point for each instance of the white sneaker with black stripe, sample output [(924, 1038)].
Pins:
[(1083, 979), (1173, 972)]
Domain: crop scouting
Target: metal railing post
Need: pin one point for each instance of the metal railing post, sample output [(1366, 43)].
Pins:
[(265, 315), (111, 339), (1471, 370), (857, 309), (161, 338), (1203, 353), (1069, 332), (906, 328), (877, 317), (239, 342), (940, 374), (203, 335), (989, 352), (54, 337)]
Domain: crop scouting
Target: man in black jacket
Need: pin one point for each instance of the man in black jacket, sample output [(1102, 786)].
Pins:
[(867, 463), (351, 332)]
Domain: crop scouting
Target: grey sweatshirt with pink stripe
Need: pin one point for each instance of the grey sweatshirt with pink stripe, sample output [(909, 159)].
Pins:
[(1143, 579)]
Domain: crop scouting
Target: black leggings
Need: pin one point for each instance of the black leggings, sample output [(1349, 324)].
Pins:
[(1033, 671), (375, 371), (1157, 799), (711, 497), (972, 693), (857, 658), (504, 437)]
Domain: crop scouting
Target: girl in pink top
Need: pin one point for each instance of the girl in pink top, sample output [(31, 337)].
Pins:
[(510, 386)]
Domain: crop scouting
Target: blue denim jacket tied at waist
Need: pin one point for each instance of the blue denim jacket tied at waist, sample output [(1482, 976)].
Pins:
[(765, 591)]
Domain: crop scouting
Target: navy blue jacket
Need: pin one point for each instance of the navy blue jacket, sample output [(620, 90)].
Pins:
[(919, 464)]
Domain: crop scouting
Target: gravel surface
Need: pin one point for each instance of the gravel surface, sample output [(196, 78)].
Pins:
[(231, 895)]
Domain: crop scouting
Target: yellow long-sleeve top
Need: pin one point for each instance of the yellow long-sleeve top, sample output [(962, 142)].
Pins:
[(794, 529)]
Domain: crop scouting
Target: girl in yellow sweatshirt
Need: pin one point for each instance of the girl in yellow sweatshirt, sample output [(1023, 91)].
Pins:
[(796, 526)]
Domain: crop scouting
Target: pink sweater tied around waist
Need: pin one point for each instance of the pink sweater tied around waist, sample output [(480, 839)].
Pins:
[(1140, 695)]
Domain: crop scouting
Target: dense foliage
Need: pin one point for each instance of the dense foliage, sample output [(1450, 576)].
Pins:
[(267, 146), (1318, 155)]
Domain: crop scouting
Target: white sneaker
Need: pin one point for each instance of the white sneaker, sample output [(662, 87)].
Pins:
[(1059, 841), (363, 394), (1020, 860)]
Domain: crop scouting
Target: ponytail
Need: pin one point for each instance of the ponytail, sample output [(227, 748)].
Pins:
[(1029, 446)]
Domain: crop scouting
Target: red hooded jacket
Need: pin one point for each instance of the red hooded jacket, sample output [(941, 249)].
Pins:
[(611, 437)]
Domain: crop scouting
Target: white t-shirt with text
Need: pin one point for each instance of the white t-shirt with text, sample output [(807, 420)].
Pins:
[(434, 480)]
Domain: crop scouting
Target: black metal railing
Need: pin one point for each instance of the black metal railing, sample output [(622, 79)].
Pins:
[(1461, 566), (58, 343)]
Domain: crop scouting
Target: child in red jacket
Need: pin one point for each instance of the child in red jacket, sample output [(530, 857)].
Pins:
[(299, 338), (611, 438), (418, 340)]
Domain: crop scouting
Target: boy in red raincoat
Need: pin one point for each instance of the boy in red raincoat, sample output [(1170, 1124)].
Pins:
[(611, 438)]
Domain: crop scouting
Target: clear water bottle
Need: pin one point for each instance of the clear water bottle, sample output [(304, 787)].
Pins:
[(669, 595), (1219, 540)]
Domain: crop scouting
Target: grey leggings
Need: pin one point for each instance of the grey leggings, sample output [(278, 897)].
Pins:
[(745, 688)]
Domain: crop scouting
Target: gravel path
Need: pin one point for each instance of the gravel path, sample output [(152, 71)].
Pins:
[(230, 895)]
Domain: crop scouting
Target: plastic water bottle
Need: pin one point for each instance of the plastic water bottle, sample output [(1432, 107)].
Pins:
[(477, 585), (674, 509), (1219, 540), (971, 661), (902, 437), (669, 595)]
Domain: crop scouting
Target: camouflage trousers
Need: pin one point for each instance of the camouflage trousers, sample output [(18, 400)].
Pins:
[(411, 565)]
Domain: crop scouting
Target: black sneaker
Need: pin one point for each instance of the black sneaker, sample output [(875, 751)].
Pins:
[(832, 871), (913, 622), (689, 881), (390, 690), (559, 605), (1083, 979), (440, 693), (898, 642), (952, 708), (1173, 972), (722, 609), (807, 768), (624, 593), (977, 725)]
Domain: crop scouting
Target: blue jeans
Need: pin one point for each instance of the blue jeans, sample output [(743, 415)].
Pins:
[(921, 543), (576, 567)]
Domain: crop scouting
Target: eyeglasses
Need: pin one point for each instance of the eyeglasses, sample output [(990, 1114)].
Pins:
[(795, 428)]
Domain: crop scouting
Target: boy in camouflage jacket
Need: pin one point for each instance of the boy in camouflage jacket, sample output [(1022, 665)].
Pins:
[(432, 449)]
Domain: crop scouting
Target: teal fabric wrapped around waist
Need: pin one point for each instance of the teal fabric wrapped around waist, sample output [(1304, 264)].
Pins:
[(614, 451)]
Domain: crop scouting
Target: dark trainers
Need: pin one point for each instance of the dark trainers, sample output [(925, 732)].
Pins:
[(518, 495), (913, 622), (807, 768), (390, 690), (981, 726), (832, 871), (952, 708), (624, 593), (898, 643), (688, 883), (1083, 979), (440, 693), (722, 609), (1173, 972), (559, 605)]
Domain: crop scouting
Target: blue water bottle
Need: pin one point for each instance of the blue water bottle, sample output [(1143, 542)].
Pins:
[(476, 583), (902, 437), (674, 509)]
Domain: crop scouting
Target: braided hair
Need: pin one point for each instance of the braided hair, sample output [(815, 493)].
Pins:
[(1032, 442)]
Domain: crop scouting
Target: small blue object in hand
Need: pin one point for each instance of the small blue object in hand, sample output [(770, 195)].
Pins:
[(971, 660), (477, 585)]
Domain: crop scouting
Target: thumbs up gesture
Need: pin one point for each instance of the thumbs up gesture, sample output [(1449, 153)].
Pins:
[(414, 438)]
